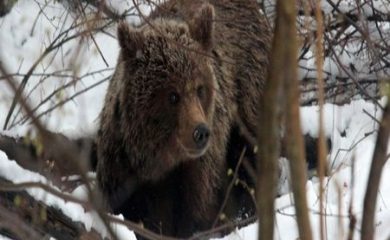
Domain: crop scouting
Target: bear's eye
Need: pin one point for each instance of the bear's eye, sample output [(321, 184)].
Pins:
[(201, 91), (173, 98)]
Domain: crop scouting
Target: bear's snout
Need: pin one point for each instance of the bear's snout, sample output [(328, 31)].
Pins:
[(201, 135)]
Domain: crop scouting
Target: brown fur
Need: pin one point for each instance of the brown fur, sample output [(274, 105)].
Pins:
[(147, 168)]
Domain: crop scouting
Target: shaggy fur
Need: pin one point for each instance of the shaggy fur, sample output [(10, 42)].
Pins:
[(213, 56)]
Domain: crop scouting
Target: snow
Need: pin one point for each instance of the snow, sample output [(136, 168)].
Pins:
[(356, 124), (4, 238), (22, 42), (24, 35)]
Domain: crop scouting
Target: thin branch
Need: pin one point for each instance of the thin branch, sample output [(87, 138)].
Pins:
[(61, 103), (321, 138), (268, 132), (294, 139), (57, 42), (230, 187)]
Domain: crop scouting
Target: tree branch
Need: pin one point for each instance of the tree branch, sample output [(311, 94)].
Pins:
[(378, 161), (294, 140)]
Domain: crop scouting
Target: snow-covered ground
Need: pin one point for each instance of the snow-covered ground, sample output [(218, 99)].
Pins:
[(33, 25)]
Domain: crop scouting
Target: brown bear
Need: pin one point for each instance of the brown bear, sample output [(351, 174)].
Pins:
[(184, 78)]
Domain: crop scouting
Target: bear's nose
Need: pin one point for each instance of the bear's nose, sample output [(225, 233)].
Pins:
[(201, 135)]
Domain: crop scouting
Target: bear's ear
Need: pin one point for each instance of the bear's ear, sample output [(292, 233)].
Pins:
[(202, 26), (130, 40)]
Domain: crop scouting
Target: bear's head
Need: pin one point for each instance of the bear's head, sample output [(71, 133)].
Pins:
[(167, 91)]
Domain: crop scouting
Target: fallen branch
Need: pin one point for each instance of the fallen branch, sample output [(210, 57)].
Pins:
[(36, 219)]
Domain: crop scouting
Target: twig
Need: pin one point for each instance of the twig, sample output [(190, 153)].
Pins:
[(321, 138), (61, 103), (371, 116), (54, 45), (230, 187), (59, 89)]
